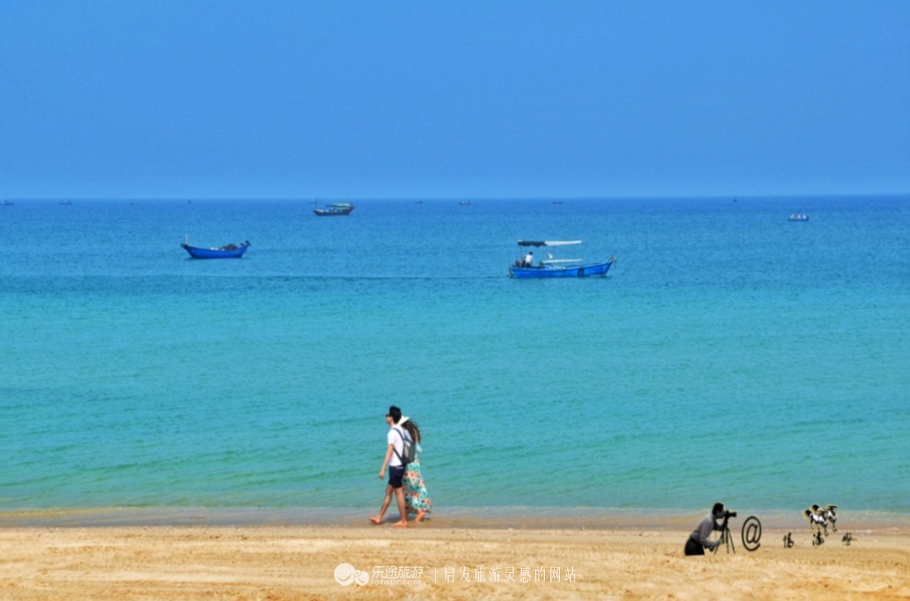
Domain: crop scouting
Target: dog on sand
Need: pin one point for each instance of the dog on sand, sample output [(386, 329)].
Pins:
[(817, 519)]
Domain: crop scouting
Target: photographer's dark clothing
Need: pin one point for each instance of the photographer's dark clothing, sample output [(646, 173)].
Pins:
[(698, 540), (693, 547)]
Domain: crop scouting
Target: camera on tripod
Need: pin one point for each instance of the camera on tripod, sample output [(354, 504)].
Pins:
[(725, 537), (727, 516)]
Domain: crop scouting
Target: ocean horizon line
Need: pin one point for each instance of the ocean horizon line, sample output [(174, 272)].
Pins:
[(332, 199)]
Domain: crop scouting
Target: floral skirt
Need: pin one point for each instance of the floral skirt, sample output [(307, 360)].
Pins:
[(415, 491)]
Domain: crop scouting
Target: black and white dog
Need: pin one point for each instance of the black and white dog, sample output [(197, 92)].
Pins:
[(820, 517), (831, 516), (817, 519)]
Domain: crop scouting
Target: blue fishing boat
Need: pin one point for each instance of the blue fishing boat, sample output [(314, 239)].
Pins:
[(341, 208), (556, 268), (228, 251), (799, 217)]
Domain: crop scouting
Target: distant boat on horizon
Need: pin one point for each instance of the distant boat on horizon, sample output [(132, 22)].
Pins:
[(335, 209), (7, 203), (799, 217), (66, 202)]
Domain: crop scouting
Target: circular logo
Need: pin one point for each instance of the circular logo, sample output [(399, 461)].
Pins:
[(751, 533), (346, 574)]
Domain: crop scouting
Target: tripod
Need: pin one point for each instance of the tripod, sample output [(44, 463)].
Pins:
[(725, 538)]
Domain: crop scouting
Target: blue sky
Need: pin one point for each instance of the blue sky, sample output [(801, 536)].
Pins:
[(336, 99)]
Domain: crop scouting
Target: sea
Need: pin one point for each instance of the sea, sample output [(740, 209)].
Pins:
[(729, 354)]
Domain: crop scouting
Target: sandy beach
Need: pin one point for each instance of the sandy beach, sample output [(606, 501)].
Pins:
[(442, 559)]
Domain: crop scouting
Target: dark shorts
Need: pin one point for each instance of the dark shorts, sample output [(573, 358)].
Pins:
[(395, 476), (693, 547)]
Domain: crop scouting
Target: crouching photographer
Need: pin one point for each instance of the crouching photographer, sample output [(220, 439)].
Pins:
[(716, 520)]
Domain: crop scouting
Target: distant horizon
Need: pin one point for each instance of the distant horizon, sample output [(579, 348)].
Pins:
[(327, 200)]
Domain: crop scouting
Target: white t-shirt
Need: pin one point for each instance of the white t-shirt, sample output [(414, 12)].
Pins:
[(396, 437)]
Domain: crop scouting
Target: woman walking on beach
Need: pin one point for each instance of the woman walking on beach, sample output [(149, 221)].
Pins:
[(415, 490)]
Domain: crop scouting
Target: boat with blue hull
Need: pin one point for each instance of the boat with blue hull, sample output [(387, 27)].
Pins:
[(556, 268), (228, 251)]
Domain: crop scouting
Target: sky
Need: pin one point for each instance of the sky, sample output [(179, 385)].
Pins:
[(339, 99)]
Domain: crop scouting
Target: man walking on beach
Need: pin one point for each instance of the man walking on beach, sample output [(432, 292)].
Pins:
[(393, 454)]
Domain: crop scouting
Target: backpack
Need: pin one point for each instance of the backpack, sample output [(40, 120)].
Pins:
[(409, 448)]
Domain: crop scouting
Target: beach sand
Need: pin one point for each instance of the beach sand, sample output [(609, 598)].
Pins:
[(441, 559)]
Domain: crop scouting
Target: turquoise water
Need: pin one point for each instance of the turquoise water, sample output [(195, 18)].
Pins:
[(728, 355)]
